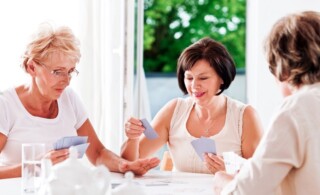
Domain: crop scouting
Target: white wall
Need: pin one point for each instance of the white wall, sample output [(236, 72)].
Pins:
[(263, 93), (19, 19)]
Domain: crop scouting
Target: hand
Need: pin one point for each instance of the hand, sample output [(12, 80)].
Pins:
[(214, 163), (57, 156), (140, 166), (133, 128), (220, 180)]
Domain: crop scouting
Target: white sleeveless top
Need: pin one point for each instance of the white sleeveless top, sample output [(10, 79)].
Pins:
[(228, 139)]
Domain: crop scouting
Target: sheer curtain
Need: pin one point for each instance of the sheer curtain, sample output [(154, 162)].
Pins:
[(104, 85), (141, 99), (107, 85)]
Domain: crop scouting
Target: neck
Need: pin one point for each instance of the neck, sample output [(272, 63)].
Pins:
[(210, 111), (35, 104)]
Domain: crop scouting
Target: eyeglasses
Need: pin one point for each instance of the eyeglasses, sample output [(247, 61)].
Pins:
[(60, 73)]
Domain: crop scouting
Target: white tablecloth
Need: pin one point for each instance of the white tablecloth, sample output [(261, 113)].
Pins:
[(154, 182)]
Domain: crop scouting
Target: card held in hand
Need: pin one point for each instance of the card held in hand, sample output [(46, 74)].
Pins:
[(150, 133), (204, 145), (80, 142)]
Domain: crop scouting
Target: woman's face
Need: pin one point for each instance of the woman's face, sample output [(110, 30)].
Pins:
[(202, 82), (52, 75)]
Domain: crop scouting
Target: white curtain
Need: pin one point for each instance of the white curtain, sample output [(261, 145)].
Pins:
[(141, 98), (102, 87)]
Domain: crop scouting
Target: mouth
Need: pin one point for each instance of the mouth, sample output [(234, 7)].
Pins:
[(60, 90), (198, 94)]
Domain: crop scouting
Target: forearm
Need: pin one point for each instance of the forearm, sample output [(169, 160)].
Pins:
[(110, 160), (130, 149), (10, 171)]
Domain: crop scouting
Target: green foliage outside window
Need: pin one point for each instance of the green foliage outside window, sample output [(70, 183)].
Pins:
[(172, 25)]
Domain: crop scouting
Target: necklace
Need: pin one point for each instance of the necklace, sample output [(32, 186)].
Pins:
[(207, 130)]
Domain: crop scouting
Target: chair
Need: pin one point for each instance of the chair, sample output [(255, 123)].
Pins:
[(166, 162)]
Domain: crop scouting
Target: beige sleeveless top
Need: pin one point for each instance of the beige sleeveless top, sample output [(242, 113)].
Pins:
[(228, 139)]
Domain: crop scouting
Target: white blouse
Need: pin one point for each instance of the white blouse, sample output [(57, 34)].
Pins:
[(287, 160), (21, 127)]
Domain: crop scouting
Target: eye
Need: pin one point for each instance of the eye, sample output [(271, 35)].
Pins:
[(189, 78), (57, 72), (203, 78), (71, 71)]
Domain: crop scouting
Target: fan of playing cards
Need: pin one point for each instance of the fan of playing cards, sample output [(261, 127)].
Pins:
[(80, 142)]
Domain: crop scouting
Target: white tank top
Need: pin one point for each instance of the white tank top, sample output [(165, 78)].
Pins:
[(228, 139)]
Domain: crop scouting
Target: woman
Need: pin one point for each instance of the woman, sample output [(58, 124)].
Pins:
[(45, 110), (287, 159), (205, 70)]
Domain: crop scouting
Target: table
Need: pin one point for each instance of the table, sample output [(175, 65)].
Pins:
[(154, 182)]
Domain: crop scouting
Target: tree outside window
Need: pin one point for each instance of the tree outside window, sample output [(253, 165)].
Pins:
[(172, 25)]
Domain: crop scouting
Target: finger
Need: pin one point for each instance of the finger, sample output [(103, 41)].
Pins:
[(211, 168), (135, 121), (133, 126), (212, 165), (153, 162), (58, 155), (216, 158), (59, 159), (133, 136)]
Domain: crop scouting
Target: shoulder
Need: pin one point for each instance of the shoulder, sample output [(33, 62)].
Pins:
[(249, 113), (235, 104), (69, 95), (7, 96), (169, 108), (179, 102), (171, 104), (300, 105)]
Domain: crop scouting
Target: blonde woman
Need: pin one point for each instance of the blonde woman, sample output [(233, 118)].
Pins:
[(46, 109)]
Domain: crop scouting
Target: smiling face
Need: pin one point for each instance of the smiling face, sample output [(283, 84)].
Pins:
[(202, 82), (51, 76)]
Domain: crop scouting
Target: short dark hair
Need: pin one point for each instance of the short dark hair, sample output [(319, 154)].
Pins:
[(293, 48), (215, 54)]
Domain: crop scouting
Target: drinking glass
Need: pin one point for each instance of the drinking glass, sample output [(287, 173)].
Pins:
[(32, 154)]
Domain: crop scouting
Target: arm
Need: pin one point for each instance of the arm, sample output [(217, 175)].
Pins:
[(251, 132), (8, 171), (275, 156), (220, 180), (251, 135), (99, 155), (135, 148)]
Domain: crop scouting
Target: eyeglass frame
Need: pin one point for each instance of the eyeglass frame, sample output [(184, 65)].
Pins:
[(59, 73)]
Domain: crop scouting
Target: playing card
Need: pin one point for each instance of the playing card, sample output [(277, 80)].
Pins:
[(81, 148), (150, 133), (204, 145), (80, 142)]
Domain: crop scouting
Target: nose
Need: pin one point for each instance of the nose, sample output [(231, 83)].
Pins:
[(195, 84), (65, 79)]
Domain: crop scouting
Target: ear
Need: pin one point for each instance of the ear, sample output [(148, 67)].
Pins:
[(31, 67)]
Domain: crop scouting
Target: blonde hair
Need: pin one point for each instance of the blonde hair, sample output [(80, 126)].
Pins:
[(293, 48), (49, 40)]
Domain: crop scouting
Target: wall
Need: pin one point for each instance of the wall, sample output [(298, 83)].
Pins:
[(163, 88), (262, 91)]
